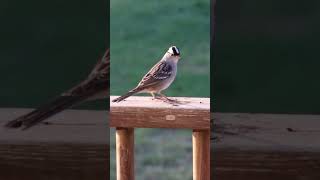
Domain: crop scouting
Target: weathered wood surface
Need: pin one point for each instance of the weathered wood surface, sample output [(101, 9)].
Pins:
[(265, 146), (72, 145), (143, 112)]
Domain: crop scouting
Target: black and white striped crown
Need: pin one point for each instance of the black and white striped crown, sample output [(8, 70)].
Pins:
[(174, 51)]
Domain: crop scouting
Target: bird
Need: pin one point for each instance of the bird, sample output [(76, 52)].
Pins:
[(95, 86), (159, 77)]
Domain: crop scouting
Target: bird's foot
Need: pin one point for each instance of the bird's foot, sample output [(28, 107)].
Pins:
[(169, 100), (156, 98), (166, 99), (173, 102)]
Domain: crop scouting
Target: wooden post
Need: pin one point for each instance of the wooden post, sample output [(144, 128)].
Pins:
[(201, 154), (125, 153)]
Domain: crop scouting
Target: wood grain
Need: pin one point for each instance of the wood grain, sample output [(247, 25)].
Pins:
[(267, 132), (201, 154), (265, 146), (125, 153), (229, 164), (50, 161), (70, 126), (72, 145), (143, 112)]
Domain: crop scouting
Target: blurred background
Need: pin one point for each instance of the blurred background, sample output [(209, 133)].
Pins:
[(265, 68), (265, 58), (48, 47), (141, 32)]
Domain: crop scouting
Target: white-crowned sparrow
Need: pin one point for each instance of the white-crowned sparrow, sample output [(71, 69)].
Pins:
[(159, 77), (95, 86)]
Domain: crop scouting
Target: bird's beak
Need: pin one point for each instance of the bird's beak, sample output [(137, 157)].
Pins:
[(178, 56)]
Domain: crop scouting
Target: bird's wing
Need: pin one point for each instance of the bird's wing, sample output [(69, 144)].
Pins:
[(161, 71), (96, 82), (102, 67)]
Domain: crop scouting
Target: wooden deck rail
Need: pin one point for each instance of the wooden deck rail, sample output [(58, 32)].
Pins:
[(143, 112), (71, 145), (254, 146)]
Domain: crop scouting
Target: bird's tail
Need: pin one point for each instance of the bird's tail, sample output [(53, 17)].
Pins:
[(40, 114), (130, 93)]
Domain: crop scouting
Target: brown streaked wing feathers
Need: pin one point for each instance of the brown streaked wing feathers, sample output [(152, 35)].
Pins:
[(159, 72)]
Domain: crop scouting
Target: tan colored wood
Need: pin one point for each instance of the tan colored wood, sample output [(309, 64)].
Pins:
[(143, 112), (201, 154), (125, 153)]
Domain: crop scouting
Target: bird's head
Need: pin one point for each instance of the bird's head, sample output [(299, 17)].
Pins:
[(173, 53)]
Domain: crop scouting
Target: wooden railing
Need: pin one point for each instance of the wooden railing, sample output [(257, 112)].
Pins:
[(143, 112), (254, 146), (71, 145)]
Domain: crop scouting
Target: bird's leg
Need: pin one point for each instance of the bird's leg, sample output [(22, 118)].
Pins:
[(153, 96)]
